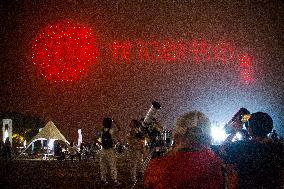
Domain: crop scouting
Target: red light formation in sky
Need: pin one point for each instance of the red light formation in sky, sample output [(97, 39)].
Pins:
[(245, 69), (63, 51), (173, 51)]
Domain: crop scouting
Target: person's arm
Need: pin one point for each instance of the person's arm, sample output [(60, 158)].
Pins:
[(117, 125), (230, 137), (97, 141)]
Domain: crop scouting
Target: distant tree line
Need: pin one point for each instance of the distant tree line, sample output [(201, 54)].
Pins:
[(24, 126)]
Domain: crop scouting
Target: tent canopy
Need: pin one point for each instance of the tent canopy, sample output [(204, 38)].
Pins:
[(49, 132)]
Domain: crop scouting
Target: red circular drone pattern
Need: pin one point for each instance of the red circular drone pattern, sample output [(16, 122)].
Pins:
[(63, 51)]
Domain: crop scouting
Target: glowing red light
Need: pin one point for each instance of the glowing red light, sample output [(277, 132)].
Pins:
[(143, 53), (223, 52), (245, 69), (64, 51), (169, 51), (194, 49), (124, 48), (181, 50), (155, 49), (172, 51)]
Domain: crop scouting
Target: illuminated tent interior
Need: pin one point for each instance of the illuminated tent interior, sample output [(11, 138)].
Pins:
[(50, 132)]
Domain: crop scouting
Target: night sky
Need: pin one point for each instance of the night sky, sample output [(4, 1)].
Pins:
[(125, 90)]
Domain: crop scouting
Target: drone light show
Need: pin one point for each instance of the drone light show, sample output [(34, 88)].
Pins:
[(63, 52), (196, 51)]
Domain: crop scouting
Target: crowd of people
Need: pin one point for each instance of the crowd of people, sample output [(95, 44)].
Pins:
[(255, 161)]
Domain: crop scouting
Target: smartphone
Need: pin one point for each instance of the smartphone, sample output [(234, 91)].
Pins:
[(245, 118)]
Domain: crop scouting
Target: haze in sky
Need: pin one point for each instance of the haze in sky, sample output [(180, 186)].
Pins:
[(124, 90)]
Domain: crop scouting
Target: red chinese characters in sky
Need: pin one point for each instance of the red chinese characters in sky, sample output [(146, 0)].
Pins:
[(245, 69), (64, 51), (171, 51), (179, 51)]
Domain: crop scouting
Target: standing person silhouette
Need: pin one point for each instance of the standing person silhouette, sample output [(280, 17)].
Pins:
[(73, 151), (136, 148), (274, 135), (7, 149), (107, 155)]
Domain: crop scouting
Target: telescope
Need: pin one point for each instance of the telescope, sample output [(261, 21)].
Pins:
[(151, 113)]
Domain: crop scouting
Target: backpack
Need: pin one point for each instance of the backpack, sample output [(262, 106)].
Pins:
[(106, 140)]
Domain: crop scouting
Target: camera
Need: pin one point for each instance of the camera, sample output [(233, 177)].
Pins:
[(238, 120)]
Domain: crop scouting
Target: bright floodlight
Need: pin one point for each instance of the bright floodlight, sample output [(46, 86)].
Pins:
[(25, 143), (51, 144), (5, 135), (237, 137), (218, 134)]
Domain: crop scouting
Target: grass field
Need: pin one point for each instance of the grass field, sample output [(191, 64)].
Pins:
[(39, 174)]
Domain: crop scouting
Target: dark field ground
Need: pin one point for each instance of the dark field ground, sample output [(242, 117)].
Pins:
[(41, 174)]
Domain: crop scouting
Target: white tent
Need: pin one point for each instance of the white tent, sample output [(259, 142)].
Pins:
[(49, 132)]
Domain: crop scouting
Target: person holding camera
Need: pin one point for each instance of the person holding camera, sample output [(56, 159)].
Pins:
[(236, 124), (107, 154), (192, 164), (259, 160), (136, 147)]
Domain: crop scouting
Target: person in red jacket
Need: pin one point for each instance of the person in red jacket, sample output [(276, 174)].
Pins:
[(192, 164)]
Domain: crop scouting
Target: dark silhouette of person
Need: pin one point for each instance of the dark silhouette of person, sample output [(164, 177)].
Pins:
[(258, 161), (107, 154), (58, 152), (2, 150), (7, 149), (274, 135)]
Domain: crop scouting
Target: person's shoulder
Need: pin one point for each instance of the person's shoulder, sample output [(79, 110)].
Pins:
[(234, 150), (239, 145), (162, 161), (158, 166), (278, 147), (209, 155)]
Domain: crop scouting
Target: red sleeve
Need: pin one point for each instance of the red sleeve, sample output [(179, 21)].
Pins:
[(153, 174), (150, 175)]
